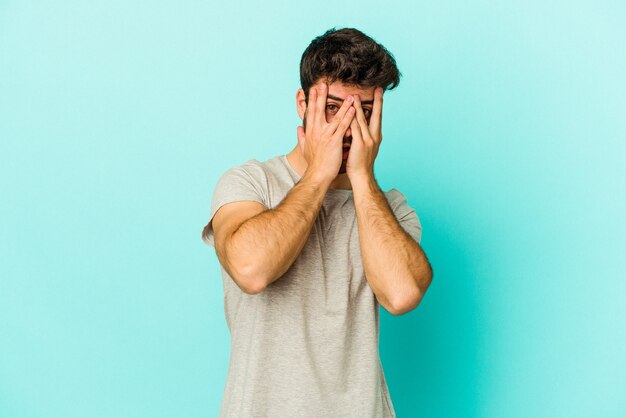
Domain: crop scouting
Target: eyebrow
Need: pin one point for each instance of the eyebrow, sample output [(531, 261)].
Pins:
[(339, 99)]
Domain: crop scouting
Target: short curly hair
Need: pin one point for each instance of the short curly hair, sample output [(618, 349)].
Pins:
[(349, 56)]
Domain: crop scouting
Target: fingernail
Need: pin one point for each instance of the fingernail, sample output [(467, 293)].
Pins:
[(350, 98)]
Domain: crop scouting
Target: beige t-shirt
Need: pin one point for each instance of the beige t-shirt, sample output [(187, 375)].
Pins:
[(307, 345)]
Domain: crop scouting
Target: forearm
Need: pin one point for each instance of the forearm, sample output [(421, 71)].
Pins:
[(273, 239), (395, 265)]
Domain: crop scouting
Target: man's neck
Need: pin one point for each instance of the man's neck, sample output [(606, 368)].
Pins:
[(298, 163)]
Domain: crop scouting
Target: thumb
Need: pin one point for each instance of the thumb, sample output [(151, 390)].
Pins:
[(301, 138)]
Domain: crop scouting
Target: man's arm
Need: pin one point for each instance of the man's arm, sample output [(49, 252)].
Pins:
[(267, 244), (395, 266)]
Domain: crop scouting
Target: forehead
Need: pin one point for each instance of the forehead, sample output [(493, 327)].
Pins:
[(341, 91)]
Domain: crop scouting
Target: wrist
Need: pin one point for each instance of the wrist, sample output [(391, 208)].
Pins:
[(363, 180), (315, 177)]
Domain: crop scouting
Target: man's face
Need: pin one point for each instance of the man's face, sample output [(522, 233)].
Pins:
[(337, 93)]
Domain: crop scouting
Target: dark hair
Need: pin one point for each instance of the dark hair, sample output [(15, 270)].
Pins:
[(350, 56)]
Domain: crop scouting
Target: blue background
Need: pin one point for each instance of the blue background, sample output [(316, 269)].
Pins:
[(507, 134)]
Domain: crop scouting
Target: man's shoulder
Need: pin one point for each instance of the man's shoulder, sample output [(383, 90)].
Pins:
[(398, 201), (253, 167), (257, 165), (259, 172), (394, 194)]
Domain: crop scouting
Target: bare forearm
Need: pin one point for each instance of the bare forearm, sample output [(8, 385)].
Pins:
[(395, 265), (272, 240)]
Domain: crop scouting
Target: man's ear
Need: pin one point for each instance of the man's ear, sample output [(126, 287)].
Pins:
[(300, 103)]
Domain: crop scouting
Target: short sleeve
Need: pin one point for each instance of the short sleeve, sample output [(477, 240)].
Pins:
[(245, 182), (405, 214)]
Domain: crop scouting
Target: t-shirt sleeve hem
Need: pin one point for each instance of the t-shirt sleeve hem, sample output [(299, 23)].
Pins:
[(208, 236)]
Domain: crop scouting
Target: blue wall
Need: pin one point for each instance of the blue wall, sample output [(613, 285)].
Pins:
[(507, 134)]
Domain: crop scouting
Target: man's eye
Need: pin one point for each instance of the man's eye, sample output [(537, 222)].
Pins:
[(331, 106), (367, 112)]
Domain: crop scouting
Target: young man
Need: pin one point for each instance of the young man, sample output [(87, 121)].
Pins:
[(310, 247)]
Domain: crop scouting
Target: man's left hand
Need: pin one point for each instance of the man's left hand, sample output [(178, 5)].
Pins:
[(366, 138)]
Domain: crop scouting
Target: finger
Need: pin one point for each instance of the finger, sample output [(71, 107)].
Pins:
[(360, 117), (341, 113), (345, 122), (320, 110), (376, 120), (356, 131), (310, 108)]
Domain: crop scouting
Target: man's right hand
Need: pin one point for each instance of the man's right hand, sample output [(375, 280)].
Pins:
[(322, 143)]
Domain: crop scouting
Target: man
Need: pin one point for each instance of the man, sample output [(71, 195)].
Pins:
[(310, 246)]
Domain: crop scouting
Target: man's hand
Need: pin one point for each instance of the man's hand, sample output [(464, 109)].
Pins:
[(366, 138), (322, 142)]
